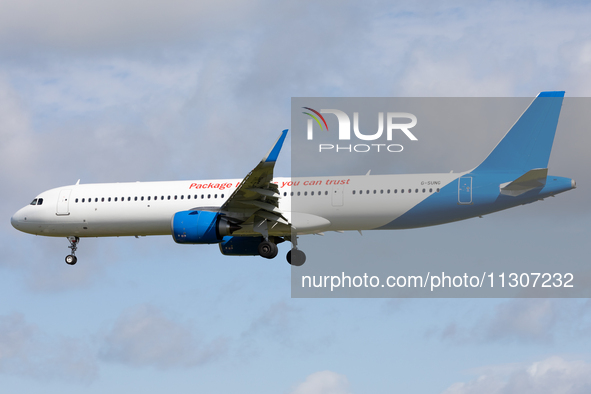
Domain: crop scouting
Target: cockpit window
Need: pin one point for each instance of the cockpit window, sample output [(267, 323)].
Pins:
[(34, 202), (40, 201)]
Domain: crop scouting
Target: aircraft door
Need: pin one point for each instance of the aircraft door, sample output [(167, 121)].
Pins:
[(63, 202), (337, 195), (465, 190)]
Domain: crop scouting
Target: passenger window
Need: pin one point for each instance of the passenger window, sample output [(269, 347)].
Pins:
[(353, 191), (182, 196), (188, 196), (423, 190), (215, 196), (437, 190), (96, 199), (109, 199), (311, 193), (222, 196), (305, 193), (142, 198), (149, 198), (388, 191), (401, 190), (76, 200), (326, 193), (284, 194), (169, 197), (292, 194), (298, 193), (102, 199), (82, 200), (135, 198), (416, 190)]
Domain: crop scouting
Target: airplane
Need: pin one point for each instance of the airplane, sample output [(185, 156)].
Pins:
[(250, 216)]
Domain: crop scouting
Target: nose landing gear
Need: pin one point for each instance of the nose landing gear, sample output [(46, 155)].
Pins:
[(71, 258)]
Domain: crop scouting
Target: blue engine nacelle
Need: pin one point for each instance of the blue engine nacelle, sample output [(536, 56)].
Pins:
[(240, 246), (200, 227)]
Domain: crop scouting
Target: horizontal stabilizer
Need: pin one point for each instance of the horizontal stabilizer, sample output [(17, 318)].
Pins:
[(532, 179)]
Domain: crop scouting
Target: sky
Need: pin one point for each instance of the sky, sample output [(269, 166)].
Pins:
[(116, 91)]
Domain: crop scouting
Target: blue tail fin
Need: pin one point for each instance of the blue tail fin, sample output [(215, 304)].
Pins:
[(527, 145)]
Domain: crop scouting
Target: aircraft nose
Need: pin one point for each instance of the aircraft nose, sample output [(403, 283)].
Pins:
[(17, 219)]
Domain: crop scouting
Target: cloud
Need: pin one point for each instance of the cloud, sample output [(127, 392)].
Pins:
[(550, 376), (15, 132), (276, 321), (145, 336), (324, 382), (523, 320), (26, 351), (68, 24)]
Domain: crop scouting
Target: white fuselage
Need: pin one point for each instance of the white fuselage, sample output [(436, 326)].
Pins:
[(146, 208)]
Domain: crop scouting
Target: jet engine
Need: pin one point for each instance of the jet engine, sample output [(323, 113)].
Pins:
[(201, 227)]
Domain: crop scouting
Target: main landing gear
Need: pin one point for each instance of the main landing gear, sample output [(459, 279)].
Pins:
[(268, 249), (295, 256), (71, 258)]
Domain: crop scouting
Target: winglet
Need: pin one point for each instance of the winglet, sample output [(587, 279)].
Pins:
[(271, 157)]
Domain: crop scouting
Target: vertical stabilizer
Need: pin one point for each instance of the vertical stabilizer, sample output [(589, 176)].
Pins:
[(527, 145)]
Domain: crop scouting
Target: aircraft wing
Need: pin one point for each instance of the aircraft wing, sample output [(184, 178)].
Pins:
[(257, 195)]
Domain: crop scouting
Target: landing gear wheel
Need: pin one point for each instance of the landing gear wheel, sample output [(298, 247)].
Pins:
[(296, 257), (268, 249), (71, 258)]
